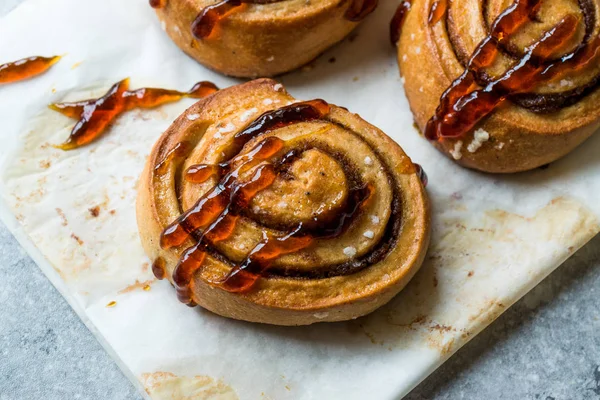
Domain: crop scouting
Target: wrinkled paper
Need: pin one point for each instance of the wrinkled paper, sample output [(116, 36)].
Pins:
[(494, 237)]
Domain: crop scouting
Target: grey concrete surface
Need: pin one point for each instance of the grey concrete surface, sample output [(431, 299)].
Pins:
[(546, 347)]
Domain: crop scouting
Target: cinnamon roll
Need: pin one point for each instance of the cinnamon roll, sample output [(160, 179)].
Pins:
[(501, 86), (262, 208), (252, 38)]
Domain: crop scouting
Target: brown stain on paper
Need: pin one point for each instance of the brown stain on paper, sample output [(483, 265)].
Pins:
[(452, 297), (137, 285), (168, 386)]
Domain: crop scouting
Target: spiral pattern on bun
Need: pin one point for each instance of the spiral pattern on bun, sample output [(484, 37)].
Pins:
[(502, 86), (262, 208)]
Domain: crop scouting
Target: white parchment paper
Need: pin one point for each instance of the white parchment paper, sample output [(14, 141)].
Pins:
[(494, 237)]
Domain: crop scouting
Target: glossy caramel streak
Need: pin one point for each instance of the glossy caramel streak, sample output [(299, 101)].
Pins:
[(279, 118), (398, 21), (180, 150), (438, 10), (158, 268), (484, 55), (96, 115), (157, 3), (25, 68), (208, 19), (222, 222), (219, 198), (206, 22), (241, 278), (470, 108)]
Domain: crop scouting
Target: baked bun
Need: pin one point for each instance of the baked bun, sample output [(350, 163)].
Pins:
[(261, 208), (502, 87), (253, 38)]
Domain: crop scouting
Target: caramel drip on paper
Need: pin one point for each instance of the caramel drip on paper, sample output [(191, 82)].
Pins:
[(26, 68), (96, 115)]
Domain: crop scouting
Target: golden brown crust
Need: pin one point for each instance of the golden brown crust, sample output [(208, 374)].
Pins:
[(208, 126), (261, 40), (431, 57)]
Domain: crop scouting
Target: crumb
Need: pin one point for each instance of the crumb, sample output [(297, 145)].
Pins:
[(94, 211), (247, 114), (350, 251), (456, 152), (480, 136)]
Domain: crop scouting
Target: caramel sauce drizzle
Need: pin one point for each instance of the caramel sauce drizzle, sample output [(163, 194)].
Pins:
[(157, 3), (180, 150), (208, 19), (214, 213), (438, 10), (398, 21), (463, 104), (159, 268), (95, 115), (26, 68)]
